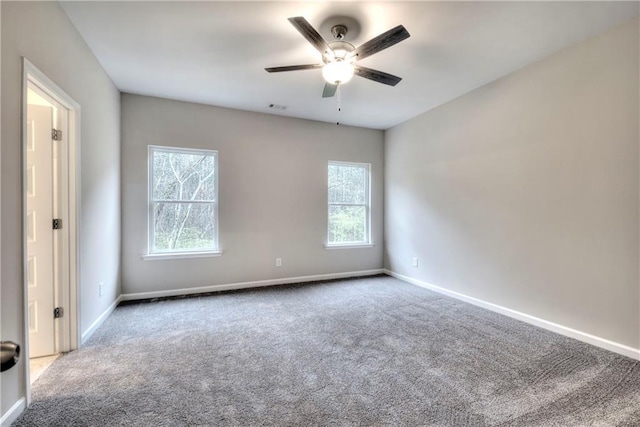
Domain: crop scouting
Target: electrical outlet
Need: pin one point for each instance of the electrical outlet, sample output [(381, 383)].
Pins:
[(100, 288), (278, 262), (414, 261)]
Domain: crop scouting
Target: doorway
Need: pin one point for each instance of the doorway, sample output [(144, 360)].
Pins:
[(49, 170)]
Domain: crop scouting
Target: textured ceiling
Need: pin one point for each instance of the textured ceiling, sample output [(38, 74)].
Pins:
[(215, 52)]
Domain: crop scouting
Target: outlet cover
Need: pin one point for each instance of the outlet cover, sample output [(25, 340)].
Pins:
[(278, 262), (414, 261)]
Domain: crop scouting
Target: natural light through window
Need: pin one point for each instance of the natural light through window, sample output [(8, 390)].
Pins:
[(349, 212), (183, 201)]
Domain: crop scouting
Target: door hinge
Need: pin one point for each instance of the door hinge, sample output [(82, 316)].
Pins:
[(58, 312), (56, 135), (57, 223)]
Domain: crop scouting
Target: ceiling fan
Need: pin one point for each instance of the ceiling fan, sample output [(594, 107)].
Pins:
[(339, 57)]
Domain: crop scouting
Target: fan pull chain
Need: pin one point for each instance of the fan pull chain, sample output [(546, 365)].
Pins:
[(338, 107)]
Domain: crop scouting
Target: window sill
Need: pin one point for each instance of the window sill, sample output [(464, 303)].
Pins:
[(181, 255), (350, 246)]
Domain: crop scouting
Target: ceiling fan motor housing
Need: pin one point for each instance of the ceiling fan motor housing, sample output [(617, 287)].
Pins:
[(340, 51)]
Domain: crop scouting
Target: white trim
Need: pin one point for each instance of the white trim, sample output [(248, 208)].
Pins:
[(367, 204), (2, 417), (13, 413), (180, 255), (52, 89), (151, 149), (615, 347), (349, 246), (246, 285), (100, 320), (32, 75)]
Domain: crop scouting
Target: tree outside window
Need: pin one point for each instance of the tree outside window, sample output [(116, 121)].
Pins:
[(183, 205), (348, 191)]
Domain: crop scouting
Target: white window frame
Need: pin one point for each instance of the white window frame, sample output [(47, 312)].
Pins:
[(367, 243), (151, 254)]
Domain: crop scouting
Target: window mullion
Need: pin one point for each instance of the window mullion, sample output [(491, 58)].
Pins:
[(346, 204), (182, 201)]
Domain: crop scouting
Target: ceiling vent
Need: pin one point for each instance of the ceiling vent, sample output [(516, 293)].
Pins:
[(277, 107)]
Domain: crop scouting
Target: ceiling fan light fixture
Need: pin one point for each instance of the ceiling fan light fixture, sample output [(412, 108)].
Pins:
[(338, 72)]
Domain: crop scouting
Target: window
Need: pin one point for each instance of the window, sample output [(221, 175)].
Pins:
[(348, 204), (183, 201)]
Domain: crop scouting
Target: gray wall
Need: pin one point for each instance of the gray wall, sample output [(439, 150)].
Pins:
[(42, 33), (273, 195), (524, 193)]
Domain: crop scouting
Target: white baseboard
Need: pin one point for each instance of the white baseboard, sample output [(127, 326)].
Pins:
[(622, 349), (100, 320), (246, 285), (13, 413)]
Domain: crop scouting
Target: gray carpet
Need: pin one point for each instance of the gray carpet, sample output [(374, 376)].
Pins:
[(371, 351)]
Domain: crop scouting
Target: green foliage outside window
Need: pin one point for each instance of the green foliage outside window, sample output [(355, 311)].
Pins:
[(184, 200), (348, 203)]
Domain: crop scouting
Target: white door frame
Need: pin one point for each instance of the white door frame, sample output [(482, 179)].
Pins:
[(69, 335)]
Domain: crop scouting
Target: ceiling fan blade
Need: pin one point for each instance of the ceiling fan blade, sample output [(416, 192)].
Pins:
[(377, 76), (329, 90), (309, 33), (293, 68), (383, 41)]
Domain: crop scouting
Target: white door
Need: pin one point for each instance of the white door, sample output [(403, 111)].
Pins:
[(40, 256)]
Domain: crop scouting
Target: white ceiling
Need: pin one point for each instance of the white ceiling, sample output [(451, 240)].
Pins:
[(215, 52)]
